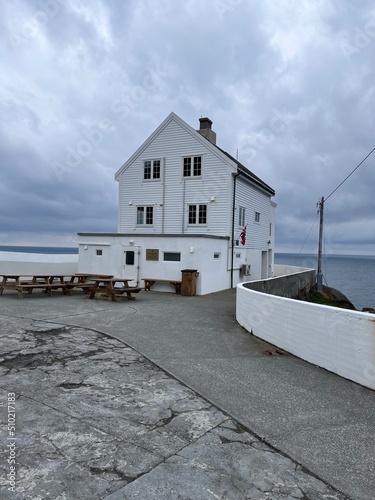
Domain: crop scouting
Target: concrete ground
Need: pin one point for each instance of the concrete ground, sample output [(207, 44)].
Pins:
[(95, 418)]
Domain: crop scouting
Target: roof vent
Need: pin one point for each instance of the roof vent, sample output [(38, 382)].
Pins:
[(205, 129)]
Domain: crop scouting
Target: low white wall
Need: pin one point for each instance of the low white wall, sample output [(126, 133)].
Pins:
[(37, 263), (283, 269), (339, 340)]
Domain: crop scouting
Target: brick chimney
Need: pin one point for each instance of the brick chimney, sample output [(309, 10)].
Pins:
[(205, 129)]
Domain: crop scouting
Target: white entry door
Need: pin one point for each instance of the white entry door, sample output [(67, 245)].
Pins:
[(130, 269)]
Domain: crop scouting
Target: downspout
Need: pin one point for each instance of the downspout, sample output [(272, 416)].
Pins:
[(233, 210), (183, 207), (163, 200)]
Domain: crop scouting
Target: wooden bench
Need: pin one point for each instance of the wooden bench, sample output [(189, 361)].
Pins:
[(151, 281), (29, 287), (127, 290)]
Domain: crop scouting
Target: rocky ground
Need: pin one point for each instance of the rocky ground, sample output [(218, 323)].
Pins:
[(96, 420)]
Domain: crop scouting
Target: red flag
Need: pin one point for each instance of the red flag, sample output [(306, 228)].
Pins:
[(243, 236)]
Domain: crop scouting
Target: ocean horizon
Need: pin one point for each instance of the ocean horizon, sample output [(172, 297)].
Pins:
[(43, 250), (353, 275)]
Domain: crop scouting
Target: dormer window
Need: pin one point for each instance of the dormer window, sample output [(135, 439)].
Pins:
[(151, 170), (192, 166)]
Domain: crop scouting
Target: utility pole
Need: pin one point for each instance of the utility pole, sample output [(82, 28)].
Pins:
[(319, 277)]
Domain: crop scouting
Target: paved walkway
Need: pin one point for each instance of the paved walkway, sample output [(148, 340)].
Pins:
[(96, 419)]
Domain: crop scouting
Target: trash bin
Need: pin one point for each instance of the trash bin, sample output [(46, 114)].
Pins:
[(189, 282)]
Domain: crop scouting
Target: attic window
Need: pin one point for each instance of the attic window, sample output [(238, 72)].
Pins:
[(151, 170), (257, 217), (192, 166)]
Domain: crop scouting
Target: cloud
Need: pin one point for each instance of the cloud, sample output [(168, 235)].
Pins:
[(288, 84)]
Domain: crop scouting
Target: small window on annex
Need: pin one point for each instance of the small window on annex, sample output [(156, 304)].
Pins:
[(129, 258), (172, 257), (257, 217), (217, 255), (99, 252)]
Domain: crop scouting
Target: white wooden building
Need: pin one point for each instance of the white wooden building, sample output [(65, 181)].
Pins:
[(183, 204)]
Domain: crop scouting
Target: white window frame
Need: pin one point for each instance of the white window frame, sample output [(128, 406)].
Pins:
[(241, 216), (144, 223), (257, 217), (153, 168), (192, 175), (197, 205)]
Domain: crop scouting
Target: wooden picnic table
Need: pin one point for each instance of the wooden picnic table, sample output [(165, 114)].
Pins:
[(85, 281), (107, 287), (29, 282)]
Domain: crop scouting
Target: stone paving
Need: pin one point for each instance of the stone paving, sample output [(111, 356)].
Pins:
[(97, 420)]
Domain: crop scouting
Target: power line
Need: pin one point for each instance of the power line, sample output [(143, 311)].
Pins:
[(352, 172), (308, 234)]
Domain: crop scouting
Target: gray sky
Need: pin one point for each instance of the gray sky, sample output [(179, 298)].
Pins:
[(289, 84)]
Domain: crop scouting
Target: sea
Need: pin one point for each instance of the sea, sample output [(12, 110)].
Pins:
[(47, 250), (353, 275)]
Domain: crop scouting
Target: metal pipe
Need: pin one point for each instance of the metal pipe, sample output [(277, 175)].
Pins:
[(233, 211)]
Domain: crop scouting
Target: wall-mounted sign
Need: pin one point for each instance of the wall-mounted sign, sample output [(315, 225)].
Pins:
[(152, 254)]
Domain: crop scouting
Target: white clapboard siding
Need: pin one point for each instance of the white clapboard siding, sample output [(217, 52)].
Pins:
[(171, 145), (253, 200)]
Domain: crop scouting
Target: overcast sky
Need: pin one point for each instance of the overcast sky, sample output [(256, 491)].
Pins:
[(288, 83)]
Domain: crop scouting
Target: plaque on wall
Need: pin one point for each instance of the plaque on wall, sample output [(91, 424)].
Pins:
[(152, 254)]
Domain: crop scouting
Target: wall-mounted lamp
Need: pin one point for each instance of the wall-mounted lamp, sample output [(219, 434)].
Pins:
[(131, 242), (85, 247), (130, 202), (213, 198), (191, 249)]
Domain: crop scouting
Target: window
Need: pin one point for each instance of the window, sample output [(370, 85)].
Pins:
[(145, 216), (270, 229), (197, 214), (172, 256), (217, 255), (241, 217), (151, 170), (257, 217), (192, 166), (129, 258), (99, 252)]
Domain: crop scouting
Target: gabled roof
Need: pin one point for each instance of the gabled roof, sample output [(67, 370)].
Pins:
[(247, 173), (235, 164)]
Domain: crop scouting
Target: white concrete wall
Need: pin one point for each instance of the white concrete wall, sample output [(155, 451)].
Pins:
[(34, 263), (341, 341)]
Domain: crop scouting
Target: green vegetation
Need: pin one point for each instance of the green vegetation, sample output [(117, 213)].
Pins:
[(330, 297)]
